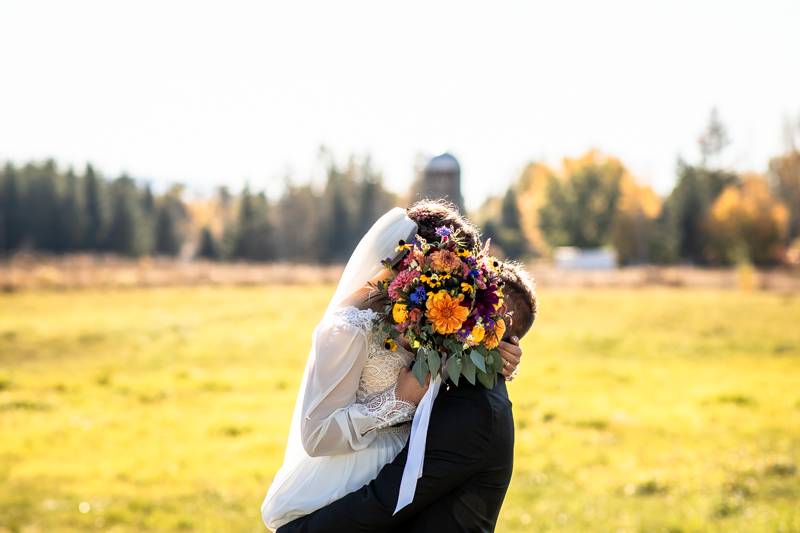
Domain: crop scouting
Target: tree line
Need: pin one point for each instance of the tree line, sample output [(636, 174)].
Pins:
[(713, 215), (48, 209)]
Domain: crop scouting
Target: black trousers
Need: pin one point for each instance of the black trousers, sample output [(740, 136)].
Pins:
[(468, 464)]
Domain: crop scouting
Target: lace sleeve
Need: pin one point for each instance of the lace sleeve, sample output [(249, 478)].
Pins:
[(333, 421), (388, 409)]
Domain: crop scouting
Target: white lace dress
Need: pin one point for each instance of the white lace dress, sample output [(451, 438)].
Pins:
[(352, 425)]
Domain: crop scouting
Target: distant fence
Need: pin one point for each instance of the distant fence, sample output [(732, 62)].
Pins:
[(29, 271)]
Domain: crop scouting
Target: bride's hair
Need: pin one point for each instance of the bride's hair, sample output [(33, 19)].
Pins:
[(430, 214)]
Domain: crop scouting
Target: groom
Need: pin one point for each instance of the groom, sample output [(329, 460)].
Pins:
[(469, 450)]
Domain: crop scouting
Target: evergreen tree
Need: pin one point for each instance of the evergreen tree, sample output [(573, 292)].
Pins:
[(297, 222), (335, 232), (170, 216), (509, 234), (688, 204), (254, 232), (95, 223), (125, 235), (12, 210), (149, 213), (208, 245), (71, 214), (42, 207)]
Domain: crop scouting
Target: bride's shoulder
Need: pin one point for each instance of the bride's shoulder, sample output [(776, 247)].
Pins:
[(356, 317)]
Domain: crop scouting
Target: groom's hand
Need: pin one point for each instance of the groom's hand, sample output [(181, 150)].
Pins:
[(408, 388), (511, 354)]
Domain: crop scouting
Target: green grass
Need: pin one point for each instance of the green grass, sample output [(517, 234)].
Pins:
[(167, 409)]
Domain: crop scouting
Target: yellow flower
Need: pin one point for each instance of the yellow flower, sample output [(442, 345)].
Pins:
[(399, 312), (463, 252), (402, 245), (446, 312), (478, 332), (468, 288), (415, 344), (390, 345), (432, 280), (493, 339)]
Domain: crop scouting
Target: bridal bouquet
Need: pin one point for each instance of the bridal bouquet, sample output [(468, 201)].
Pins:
[(447, 302)]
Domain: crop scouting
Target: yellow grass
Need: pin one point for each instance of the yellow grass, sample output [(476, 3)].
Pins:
[(167, 409)]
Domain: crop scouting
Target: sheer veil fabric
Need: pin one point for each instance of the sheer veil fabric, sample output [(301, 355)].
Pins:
[(364, 264)]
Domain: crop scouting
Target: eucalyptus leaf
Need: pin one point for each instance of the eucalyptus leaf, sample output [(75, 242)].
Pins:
[(487, 379), (434, 362), (420, 370), (468, 370), (453, 369), (478, 359)]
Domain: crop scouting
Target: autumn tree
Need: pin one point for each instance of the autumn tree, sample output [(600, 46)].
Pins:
[(581, 201), (784, 173), (746, 222), (635, 232)]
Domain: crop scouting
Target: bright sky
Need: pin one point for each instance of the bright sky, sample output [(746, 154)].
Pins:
[(212, 93)]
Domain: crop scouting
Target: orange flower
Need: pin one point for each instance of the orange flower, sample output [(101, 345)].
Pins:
[(493, 339), (445, 261), (446, 312)]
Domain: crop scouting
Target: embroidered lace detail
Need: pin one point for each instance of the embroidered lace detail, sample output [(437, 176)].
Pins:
[(390, 410), (376, 396), (361, 318), (376, 389)]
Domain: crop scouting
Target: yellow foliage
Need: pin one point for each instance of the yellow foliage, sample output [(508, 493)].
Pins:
[(747, 219), (531, 196), (637, 209)]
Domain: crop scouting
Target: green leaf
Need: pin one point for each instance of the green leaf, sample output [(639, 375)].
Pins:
[(477, 358), (420, 370), (493, 361), (453, 368), (487, 379), (468, 370), (453, 347), (434, 362)]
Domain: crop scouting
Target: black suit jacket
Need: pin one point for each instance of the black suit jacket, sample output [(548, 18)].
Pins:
[(468, 463)]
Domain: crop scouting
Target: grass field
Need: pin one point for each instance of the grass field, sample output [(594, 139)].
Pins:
[(167, 409)]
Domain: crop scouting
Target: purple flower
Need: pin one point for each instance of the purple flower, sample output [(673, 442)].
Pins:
[(443, 231)]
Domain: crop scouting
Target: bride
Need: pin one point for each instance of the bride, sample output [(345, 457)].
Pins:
[(356, 397)]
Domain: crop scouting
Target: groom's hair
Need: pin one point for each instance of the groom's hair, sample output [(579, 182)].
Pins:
[(430, 214), (520, 297)]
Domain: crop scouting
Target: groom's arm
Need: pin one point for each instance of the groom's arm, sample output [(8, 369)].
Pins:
[(456, 448)]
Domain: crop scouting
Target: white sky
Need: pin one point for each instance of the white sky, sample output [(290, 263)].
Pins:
[(212, 93)]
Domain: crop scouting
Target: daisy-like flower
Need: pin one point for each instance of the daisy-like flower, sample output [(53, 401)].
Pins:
[(403, 245), (446, 312), (390, 344), (434, 280), (468, 288)]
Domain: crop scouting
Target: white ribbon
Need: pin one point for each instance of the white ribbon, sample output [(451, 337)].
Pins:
[(416, 446)]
